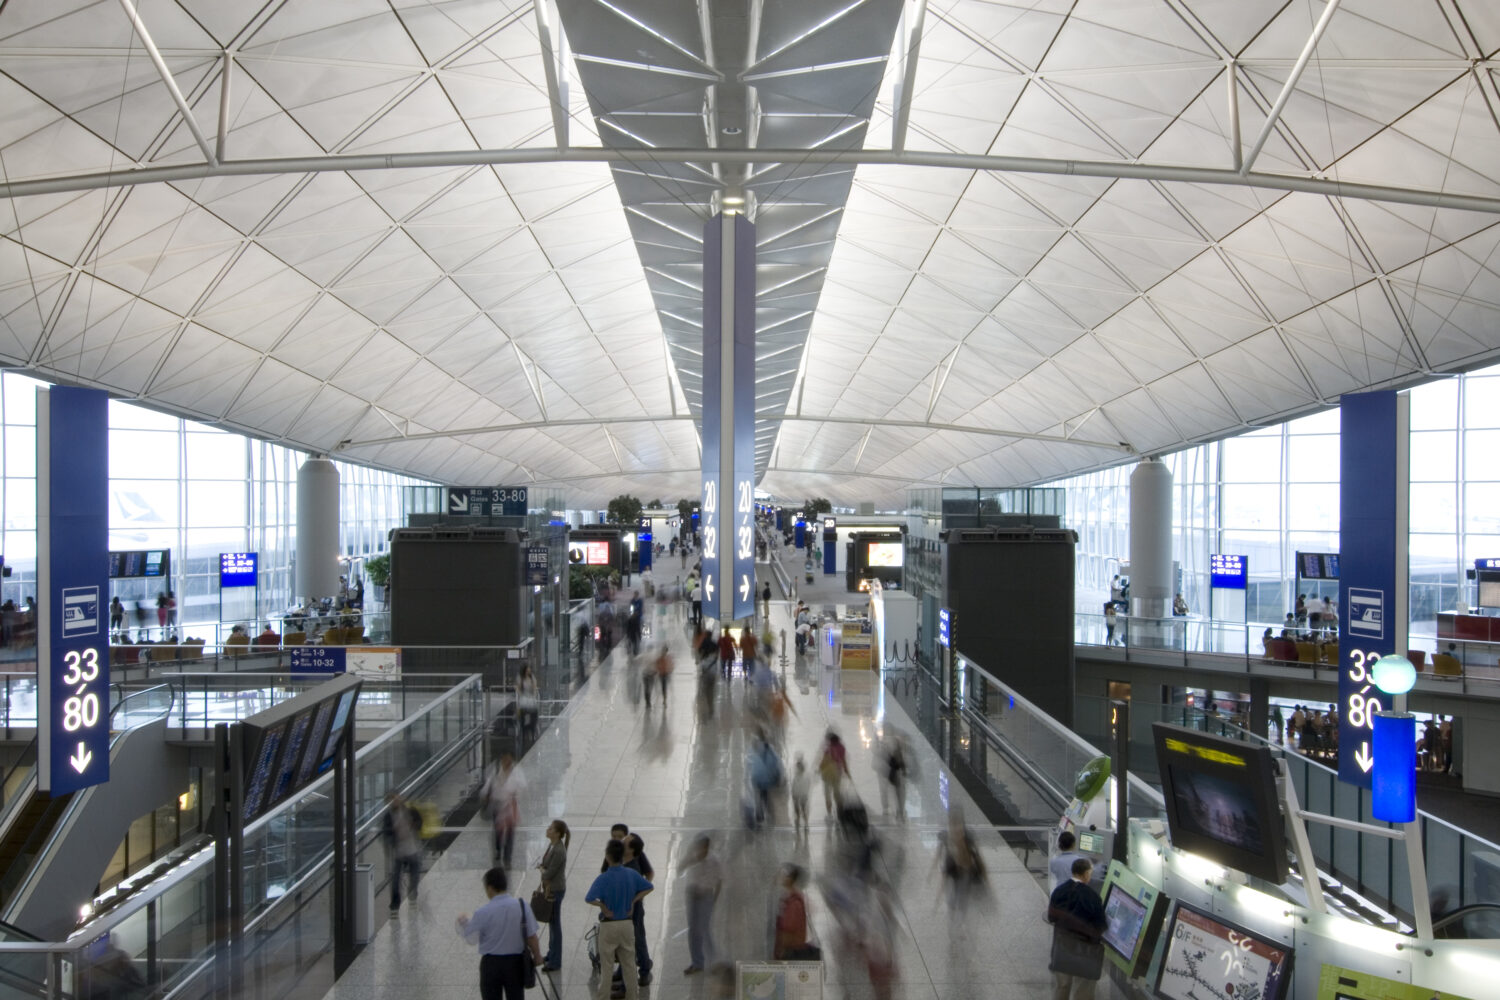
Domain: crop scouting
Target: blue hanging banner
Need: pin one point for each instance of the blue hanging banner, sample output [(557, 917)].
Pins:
[(1371, 614), (728, 497), (73, 570)]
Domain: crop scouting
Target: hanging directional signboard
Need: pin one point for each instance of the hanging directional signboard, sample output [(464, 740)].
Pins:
[(72, 487), (486, 501), (728, 506)]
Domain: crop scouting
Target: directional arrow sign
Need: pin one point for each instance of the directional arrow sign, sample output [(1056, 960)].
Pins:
[(744, 587), (81, 757), (708, 587), (1363, 757), (458, 503)]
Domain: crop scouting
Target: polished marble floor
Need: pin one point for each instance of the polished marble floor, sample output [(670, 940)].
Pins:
[(671, 773)]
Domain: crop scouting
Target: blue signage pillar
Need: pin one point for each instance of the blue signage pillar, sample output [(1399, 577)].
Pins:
[(72, 485), (643, 544), (728, 499), (1373, 442)]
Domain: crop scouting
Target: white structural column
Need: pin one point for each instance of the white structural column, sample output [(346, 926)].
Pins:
[(317, 529), (1151, 540)]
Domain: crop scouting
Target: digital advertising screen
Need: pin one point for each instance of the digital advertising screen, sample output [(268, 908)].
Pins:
[(588, 553), (1126, 918), (1227, 571), (237, 569), (884, 554), (139, 563), (1207, 959), (156, 562), (1221, 800)]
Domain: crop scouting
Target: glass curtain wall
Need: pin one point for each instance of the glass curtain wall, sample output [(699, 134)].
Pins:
[(1274, 491), (194, 490)]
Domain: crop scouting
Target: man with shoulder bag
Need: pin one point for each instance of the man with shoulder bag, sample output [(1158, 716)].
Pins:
[(1077, 917)]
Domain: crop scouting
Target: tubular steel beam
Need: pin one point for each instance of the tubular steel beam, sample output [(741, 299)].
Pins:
[(1290, 85), (1118, 169), (541, 425), (166, 77)]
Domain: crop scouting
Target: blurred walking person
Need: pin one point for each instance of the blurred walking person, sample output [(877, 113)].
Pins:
[(963, 870), (892, 764), (801, 784), (833, 764), (401, 829), (793, 942), (502, 801), (703, 879)]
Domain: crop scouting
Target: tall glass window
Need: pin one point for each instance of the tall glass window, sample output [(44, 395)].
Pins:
[(196, 491)]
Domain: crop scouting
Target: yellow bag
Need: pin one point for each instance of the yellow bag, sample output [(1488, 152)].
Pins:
[(431, 821)]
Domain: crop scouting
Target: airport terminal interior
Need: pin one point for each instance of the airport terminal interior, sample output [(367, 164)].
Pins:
[(981, 498)]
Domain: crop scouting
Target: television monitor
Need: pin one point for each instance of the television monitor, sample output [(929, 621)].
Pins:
[(135, 564), (156, 562), (1318, 565), (1489, 593), (884, 554), (1204, 956), (1221, 800)]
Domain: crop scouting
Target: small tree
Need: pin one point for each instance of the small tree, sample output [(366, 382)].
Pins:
[(685, 509), (624, 509), (378, 569), (816, 506)]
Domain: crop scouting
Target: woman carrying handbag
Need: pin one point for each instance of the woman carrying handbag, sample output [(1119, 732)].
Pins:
[(546, 902)]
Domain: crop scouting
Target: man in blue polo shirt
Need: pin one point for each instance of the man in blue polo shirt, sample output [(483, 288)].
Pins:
[(616, 892)]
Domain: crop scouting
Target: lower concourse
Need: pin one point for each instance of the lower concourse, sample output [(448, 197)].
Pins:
[(670, 773)]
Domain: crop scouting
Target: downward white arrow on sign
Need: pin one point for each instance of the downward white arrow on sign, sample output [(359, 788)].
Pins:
[(81, 757), (1363, 757)]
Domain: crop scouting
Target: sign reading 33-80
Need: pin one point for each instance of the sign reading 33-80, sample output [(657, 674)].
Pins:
[(73, 508)]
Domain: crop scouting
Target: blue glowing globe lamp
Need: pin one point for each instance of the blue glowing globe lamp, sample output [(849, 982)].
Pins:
[(1394, 674)]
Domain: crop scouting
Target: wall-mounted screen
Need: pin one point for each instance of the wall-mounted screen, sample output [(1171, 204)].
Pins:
[(884, 554), (1221, 800), (1229, 572), (140, 563), (1133, 911), (237, 569), (588, 553), (1206, 957), (1318, 565)]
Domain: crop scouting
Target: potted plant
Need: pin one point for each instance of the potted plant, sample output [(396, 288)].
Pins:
[(378, 573)]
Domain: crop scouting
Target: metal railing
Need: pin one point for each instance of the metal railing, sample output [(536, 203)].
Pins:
[(1462, 869), (1242, 647), (166, 931)]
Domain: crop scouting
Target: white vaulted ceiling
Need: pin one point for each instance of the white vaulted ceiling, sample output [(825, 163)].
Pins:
[(502, 313)]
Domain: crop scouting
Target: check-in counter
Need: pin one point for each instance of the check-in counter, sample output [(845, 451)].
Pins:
[(1461, 627)]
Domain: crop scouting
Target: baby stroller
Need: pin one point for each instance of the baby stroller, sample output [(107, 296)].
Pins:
[(591, 939)]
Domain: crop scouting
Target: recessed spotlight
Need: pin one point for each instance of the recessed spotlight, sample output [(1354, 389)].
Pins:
[(731, 130)]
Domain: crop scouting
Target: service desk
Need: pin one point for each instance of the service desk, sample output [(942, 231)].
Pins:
[(1461, 627)]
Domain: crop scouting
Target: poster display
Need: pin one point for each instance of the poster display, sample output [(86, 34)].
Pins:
[(374, 662), (1206, 959), (858, 646), (1335, 983), (778, 981)]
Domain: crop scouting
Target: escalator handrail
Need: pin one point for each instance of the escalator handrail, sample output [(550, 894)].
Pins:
[(22, 795), (1456, 916)]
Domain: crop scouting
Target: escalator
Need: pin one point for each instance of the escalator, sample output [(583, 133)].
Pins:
[(36, 826)]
